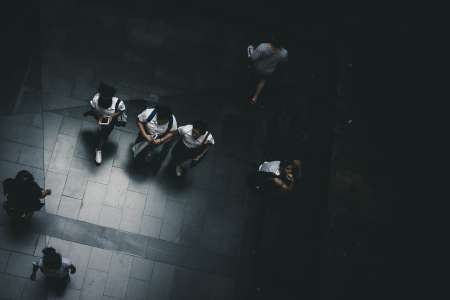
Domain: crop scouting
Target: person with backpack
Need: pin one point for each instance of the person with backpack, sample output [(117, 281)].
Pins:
[(24, 196), (53, 266), (109, 111), (193, 145), (157, 128), (277, 176), (264, 60)]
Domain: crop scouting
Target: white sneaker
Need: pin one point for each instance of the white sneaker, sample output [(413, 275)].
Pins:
[(179, 171), (98, 156)]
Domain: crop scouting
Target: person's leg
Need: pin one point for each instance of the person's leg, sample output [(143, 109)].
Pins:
[(103, 133), (259, 87), (180, 155)]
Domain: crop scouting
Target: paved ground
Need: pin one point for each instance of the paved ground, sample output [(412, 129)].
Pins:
[(176, 233), (135, 234)]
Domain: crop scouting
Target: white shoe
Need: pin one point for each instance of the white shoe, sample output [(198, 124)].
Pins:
[(98, 156), (178, 170)]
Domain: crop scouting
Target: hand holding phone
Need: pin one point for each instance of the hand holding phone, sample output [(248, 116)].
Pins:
[(104, 120)]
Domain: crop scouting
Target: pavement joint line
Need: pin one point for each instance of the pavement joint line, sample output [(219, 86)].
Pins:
[(163, 251)]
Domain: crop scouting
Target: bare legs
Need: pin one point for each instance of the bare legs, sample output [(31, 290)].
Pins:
[(259, 87)]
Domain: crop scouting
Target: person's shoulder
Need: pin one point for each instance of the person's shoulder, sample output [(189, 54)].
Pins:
[(147, 111), (186, 127)]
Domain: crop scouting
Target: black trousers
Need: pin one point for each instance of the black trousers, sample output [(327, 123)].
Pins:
[(103, 133), (181, 153)]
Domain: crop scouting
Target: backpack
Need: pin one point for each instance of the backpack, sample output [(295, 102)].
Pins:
[(153, 114)]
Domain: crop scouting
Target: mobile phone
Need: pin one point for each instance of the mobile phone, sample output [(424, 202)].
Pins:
[(105, 121)]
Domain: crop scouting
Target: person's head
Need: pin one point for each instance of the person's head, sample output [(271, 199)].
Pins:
[(106, 94), (163, 114), (275, 41), (52, 259), (199, 128), (289, 166), (24, 176)]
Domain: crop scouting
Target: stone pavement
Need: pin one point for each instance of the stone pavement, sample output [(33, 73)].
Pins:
[(132, 234)]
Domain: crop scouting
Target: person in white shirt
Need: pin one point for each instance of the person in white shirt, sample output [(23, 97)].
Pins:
[(195, 140), (53, 266), (265, 59), (278, 175), (106, 109), (157, 128)]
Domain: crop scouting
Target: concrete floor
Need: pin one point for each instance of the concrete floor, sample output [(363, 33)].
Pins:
[(135, 234)]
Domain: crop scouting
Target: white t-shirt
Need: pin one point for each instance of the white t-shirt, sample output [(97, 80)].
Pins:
[(109, 111), (266, 59), (270, 167), (152, 126), (188, 139), (62, 272)]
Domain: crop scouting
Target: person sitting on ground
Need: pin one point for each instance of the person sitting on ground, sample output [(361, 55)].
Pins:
[(106, 109), (53, 266), (265, 59), (278, 175), (194, 143), (24, 196), (157, 128)]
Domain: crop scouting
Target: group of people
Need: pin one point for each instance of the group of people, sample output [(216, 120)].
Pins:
[(157, 131)]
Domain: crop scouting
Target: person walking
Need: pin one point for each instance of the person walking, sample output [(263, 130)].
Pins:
[(109, 112), (157, 129), (23, 196), (265, 58), (55, 267), (192, 147)]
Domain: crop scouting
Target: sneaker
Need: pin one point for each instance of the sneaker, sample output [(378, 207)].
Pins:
[(98, 156), (178, 170)]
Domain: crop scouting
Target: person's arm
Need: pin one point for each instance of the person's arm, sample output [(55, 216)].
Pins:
[(205, 149), (282, 185), (141, 128), (35, 268), (46, 193), (72, 269), (167, 137)]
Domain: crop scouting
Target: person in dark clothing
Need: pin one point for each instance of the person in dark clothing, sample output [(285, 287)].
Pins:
[(23, 196)]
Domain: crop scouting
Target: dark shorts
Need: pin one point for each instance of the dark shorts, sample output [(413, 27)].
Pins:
[(257, 76), (181, 153)]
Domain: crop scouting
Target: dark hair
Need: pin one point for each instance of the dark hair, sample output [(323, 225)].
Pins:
[(163, 112), (51, 259), (24, 176), (275, 41), (201, 126), (106, 93)]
